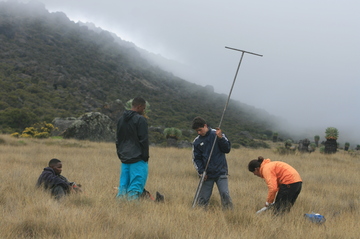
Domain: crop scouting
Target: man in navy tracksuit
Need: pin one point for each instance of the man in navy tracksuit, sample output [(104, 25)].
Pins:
[(217, 170)]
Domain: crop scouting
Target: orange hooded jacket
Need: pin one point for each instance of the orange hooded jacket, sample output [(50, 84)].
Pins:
[(276, 173)]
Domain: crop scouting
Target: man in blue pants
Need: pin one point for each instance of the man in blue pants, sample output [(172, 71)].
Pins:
[(132, 145)]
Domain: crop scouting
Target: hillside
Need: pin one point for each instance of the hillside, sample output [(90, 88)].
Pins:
[(52, 67)]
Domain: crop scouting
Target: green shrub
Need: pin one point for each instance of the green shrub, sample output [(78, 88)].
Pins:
[(288, 143), (172, 133), (284, 151), (3, 105), (313, 146), (331, 133), (156, 138), (17, 119), (264, 137), (258, 144), (275, 137)]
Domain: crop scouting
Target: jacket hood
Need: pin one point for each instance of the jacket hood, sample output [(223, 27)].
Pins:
[(128, 114), (262, 164), (49, 169)]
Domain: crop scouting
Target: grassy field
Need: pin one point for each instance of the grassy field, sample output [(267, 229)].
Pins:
[(330, 187)]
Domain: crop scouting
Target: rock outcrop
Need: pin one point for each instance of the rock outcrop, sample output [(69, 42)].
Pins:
[(93, 126)]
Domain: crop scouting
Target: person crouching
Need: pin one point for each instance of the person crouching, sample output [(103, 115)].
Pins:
[(51, 180), (283, 181)]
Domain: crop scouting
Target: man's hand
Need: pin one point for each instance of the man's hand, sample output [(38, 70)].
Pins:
[(75, 188), (205, 178), (218, 133)]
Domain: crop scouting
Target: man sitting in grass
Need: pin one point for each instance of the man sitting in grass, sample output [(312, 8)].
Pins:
[(51, 180)]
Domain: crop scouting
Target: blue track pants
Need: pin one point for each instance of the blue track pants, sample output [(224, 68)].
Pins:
[(132, 179)]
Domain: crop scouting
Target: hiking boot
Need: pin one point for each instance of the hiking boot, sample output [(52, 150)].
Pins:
[(159, 197)]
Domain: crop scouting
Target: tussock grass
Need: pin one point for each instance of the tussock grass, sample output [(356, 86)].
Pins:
[(330, 187)]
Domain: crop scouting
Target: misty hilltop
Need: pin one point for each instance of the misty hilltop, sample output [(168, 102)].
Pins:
[(53, 67)]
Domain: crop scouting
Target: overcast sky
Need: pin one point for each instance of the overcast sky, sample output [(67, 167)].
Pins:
[(309, 73)]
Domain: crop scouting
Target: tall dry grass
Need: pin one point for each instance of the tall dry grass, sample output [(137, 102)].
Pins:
[(330, 187)]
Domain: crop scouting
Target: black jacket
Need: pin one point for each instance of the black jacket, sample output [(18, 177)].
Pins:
[(132, 141), (48, 179), (201, 149)]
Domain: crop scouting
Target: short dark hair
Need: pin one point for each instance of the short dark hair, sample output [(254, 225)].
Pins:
[(198, 122), (138, 101), (255, 163), (52, 162)]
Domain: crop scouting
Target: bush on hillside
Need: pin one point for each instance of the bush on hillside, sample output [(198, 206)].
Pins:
[(284, 150), (39, 130), (16, 119)]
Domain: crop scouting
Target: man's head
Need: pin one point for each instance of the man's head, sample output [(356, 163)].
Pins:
[(56, 165), (138, 105), (200, 126)]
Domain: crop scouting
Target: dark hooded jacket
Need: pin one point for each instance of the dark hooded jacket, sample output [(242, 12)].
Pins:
[(201, 150), (132, 140), (49, 180)]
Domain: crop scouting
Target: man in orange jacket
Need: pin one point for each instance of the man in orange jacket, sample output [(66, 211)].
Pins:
[(283, 182)]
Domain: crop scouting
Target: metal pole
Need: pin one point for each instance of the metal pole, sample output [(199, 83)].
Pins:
[(243, 51), (222, 117)]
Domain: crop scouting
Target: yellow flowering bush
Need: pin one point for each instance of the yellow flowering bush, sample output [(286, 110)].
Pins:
[(16, 135), (40, 130)]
